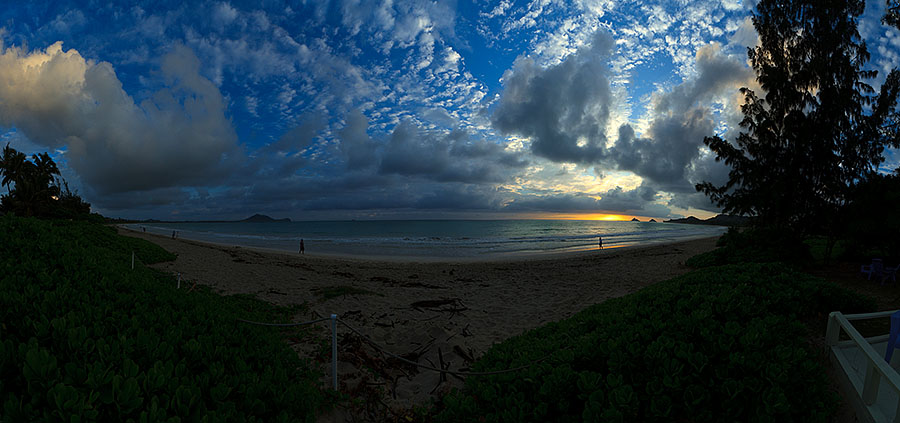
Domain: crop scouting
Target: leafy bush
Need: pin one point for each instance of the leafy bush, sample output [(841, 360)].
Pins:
[(717, 344), (758, 245), (871, 224), (85, 338)]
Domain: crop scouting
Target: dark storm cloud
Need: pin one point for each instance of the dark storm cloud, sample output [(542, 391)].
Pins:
[(142, 199), (299, 137), (664, 156), (179, 135), (669, 155), (356, 146), (459, 197), (640, 199), (563, 109), (450, 157)]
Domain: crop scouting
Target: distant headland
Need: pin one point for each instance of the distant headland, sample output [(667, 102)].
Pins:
[(720, 220), (256, 218), (261, 218)]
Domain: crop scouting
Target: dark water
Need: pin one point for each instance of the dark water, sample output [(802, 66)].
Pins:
[(435, 238)]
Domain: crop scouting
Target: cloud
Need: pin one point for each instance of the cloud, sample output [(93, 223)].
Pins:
[(680, 119), (223, 14), (641, 200), (445, 157), (356, 146), (179, 135), (564, 109), (299, 137)]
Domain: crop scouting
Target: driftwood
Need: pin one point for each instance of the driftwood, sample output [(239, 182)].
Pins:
[(462, 353)]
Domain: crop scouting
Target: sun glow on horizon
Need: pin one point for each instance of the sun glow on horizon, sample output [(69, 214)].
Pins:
[(607, 217)]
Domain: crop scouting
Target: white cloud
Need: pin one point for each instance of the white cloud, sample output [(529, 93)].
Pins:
[(179, 135), (223, 14)]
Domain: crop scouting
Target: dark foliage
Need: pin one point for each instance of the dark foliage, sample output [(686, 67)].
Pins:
[(892, 14), (719, 344), (85, 338), (819, 129), (757, 245), (872, 224), (35, 188)]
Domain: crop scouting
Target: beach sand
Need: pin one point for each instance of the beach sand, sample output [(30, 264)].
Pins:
[(416, 309)]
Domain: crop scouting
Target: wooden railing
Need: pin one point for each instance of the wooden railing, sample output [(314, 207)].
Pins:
[(876, 367)]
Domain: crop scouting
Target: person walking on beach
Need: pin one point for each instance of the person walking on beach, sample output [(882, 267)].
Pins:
[(173, 234), (600, 238), (301, 246)]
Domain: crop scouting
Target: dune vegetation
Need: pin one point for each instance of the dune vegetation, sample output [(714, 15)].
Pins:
[(86, 338)]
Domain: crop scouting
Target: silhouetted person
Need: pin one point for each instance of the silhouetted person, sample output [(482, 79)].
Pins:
[(173, 234), (301, 246), (143, 229), (600, 238)]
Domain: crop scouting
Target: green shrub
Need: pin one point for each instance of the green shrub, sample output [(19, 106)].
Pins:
[(718, 344), (85, 338), (757, 245)]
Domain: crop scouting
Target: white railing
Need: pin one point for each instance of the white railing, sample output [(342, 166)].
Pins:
[(876, 368)]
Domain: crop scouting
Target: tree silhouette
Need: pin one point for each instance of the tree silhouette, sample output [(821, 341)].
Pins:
[(35, 188), (892, 14), (818, 129), (12, 163)]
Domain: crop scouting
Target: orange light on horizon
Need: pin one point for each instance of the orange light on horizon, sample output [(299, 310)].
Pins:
[(608, 217)]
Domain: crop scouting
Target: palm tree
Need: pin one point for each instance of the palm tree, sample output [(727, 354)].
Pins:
[(12, 163), (32, 185)]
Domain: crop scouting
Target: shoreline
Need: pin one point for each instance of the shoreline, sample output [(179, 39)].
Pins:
[(488, 258), (449, 311)]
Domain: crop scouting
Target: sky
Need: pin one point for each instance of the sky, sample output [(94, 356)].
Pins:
[(388, 109)]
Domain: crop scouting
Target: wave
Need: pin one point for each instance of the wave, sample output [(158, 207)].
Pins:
[(455, 239)]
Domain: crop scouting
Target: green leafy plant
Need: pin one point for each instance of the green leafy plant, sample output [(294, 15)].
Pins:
[(757, 245), (84, 337), (711, 345)]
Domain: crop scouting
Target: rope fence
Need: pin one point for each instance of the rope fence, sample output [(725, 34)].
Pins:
[(284, 324), (334, 320)]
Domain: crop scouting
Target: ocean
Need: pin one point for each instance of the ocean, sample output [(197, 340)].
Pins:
[(434, 239)]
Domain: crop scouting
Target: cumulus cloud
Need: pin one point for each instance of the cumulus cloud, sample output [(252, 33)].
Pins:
[(356, 146), (564, 109), (178, 135), (670, 154)]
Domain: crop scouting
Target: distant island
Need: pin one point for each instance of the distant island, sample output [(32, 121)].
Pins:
[(261, 218), (720, 220), (256, 218)]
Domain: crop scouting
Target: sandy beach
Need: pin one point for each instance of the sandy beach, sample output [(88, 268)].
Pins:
[(415, 309)]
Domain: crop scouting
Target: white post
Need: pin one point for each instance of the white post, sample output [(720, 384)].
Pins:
[(132, 260), (334, 350), (179, 280), (870, 385), (833, 330)]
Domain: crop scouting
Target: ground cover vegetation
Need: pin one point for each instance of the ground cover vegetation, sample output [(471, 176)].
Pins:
[(86, 338), (717, 344)]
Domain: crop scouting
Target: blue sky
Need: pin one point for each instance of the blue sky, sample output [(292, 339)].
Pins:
[(384, 109)]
